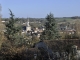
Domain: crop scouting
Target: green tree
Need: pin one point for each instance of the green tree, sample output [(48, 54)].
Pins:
[(11, 29), (15, 44), (13, 33), (50, 32)]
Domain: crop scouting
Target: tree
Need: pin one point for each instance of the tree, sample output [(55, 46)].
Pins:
[(15, 44), (2, 26), (11, 30), (13, 33), (50, 32)]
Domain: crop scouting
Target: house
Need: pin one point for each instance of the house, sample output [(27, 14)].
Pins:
[(28, 30)]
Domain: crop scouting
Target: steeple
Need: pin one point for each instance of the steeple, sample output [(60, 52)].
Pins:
[(28, 27), (28, 22)]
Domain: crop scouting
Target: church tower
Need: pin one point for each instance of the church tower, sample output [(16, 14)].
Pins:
[(28, 27)]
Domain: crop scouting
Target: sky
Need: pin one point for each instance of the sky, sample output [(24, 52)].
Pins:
[(40, 8)]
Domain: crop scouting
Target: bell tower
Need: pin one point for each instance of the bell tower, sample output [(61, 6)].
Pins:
[(28, 27), (28, 22)]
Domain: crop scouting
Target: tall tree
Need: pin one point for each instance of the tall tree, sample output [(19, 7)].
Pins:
[(50, 32), (13, 32), (11, 29), (2, 26)]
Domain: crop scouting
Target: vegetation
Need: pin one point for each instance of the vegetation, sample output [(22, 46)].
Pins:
[(14, 43), (2, 28), (50, 32)]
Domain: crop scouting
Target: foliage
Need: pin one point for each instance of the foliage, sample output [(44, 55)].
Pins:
[(15, 42), (13, 33), (68, 48), (9, 52), (2, 28), (50, 31), (2, 38), (70, 36), (11, 30), (35, 40)]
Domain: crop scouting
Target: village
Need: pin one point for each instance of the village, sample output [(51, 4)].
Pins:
[(39, 30)]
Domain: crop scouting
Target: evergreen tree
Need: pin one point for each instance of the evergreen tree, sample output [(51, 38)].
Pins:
[(11, 29), (13, 33), (50, 32)]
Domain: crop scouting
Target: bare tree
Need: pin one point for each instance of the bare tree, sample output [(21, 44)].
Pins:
[(0, 11), (2, 26)]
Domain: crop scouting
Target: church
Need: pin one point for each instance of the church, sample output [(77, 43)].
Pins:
[(28, 30), (26, 27)]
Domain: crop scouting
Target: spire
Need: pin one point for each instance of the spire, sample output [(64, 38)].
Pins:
[(28, 22)]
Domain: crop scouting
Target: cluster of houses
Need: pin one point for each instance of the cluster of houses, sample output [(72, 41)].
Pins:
[(63, 28), (67, 28), (32, 31)]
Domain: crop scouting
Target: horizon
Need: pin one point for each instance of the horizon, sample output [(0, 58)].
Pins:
[(41, 17), (39, 9)]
